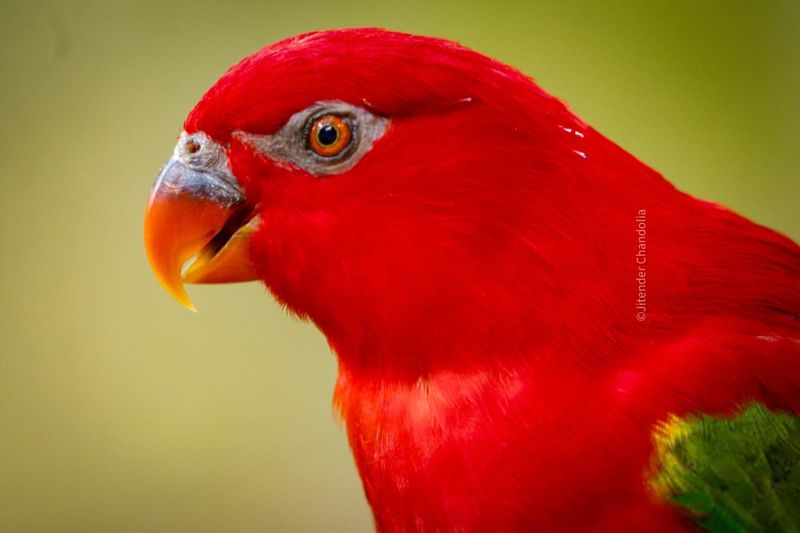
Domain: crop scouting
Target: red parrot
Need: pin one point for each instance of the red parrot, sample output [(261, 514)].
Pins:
[(517, 304)]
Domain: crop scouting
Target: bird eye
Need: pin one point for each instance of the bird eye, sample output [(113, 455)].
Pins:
[(329, 135)]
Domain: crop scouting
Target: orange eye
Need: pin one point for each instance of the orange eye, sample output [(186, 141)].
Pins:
[(329, 135)]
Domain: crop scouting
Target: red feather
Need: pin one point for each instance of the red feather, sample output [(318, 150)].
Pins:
[(476, 274)]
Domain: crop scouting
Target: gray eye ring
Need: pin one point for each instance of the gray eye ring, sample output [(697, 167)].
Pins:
[(289, 148)]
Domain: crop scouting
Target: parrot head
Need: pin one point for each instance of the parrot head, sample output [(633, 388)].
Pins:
[(380, 183), (473, 253)]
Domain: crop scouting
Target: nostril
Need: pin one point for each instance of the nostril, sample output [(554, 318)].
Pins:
[(191, 146)]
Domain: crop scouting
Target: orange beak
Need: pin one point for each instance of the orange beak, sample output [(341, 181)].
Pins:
[(197, 225)]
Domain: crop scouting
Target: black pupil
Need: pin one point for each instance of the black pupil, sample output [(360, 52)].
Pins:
[(327, 135)]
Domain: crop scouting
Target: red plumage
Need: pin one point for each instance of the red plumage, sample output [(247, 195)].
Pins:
[(476, 275)]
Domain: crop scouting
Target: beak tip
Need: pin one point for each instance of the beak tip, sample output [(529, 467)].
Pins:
[(173, 286), (178, 292)]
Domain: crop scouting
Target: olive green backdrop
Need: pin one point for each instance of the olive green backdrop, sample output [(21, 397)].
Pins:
[(120, 410)]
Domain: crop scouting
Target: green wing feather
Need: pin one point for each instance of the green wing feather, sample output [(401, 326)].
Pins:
[(732, 474)]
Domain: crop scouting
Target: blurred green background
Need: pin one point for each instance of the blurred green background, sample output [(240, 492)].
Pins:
[(120, 410)]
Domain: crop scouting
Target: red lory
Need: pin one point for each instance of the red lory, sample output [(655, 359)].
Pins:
[(535, 331)]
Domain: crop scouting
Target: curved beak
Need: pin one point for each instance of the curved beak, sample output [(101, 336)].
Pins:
[(197, 228)]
